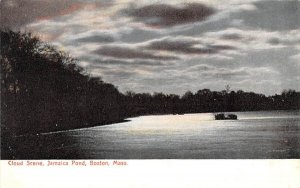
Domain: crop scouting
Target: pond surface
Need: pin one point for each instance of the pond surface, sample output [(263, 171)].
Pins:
[(255, 135)]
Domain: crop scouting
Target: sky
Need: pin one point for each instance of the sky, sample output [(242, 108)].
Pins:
[(171, 46)]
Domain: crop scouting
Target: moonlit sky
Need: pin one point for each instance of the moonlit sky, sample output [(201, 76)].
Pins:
[(172, 46)]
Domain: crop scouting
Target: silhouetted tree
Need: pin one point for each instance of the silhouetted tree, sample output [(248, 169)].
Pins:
[(43, 89)]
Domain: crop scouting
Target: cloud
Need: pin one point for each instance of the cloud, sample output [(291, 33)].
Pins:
[(130, 53), (96, 39), (229, 75), (225, 73), (15, 13), (234, 34), (231, 36), (133, 35), (163, 15), (255, 39), (201, 68), (187, 46), (172, 47), (296, 58), (287, 39), (179, 46), (120, 74), (272, 15), (95, 61)]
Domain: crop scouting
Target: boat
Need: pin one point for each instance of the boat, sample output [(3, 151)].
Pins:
[(222, 116)]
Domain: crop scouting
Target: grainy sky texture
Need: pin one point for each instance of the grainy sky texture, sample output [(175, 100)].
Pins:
[(172, 46)]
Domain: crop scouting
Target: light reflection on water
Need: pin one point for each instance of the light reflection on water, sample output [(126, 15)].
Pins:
[(190, 136)]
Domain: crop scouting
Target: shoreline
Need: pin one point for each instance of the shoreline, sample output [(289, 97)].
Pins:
[(127, 120), (66, 130)]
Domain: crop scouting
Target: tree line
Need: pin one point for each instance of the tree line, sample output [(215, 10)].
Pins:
[(206, 100), (43, 89)]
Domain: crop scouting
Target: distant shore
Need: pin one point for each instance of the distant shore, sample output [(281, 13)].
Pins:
[(127, 120)]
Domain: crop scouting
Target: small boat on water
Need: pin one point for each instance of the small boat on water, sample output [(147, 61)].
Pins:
[(222, 116)]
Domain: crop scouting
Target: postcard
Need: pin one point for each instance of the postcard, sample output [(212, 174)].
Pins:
[(145, 93)]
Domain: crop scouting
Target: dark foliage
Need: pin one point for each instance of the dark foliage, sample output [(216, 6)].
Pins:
[(210, 101), (42, 89)]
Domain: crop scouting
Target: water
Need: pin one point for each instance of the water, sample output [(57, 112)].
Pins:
[(256, 135)]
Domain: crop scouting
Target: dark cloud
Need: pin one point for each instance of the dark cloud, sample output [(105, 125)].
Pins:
[(277, 41), (178, 46), (274, 41), (15, 13), (130, 53), (96, 39), (226, 74), (164, 15), (136, 62), (201, 68), (221, 47), (232, 36), (96, 61), (186, 47)]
